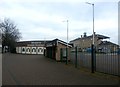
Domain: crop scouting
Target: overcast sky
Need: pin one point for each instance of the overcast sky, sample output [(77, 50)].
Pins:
[(43, 19)]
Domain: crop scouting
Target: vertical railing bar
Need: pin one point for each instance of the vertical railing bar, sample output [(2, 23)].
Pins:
[(76, 57)]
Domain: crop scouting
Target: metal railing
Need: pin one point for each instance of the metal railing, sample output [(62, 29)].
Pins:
[(104, 59)]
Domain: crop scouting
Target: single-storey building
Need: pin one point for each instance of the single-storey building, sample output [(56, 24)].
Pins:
[(30, 47), (56, 49)]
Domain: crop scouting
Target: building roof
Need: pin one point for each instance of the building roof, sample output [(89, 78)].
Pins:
[(96, 35), (42, 42), (54, 42), (107, 43)]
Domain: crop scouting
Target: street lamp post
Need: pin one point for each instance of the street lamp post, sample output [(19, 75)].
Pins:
[(67, 33), (93, 59), (67, 42), (93, 21), (67, 45)]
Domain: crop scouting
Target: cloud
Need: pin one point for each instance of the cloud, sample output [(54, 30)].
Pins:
[(69, 1), (37, 19)]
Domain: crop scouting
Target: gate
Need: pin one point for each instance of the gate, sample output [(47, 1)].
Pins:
[(81, 58)]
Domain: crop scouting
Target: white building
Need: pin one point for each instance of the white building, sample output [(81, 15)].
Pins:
[(30, 47)]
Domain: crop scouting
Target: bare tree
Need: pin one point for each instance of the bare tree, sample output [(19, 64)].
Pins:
[(10, 34)]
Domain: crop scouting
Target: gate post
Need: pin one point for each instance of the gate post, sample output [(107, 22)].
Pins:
[(95, 58), (92, 58), (118, 61), (66, 56), (61, 55), (76, 57)]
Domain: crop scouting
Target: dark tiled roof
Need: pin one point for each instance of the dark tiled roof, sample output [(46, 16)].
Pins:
[(60, 41), (100, 36), (96, 35), (107, 43), (25, 43)]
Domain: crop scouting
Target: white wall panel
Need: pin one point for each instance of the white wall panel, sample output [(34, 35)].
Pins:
[(19, 50)]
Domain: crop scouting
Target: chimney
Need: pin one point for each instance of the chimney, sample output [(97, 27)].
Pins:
[(85, 34), (81, 36)]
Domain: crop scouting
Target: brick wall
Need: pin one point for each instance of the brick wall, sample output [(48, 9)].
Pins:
[(85, 42), (58, 51)]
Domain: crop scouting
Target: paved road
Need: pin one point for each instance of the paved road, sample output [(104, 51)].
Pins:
[(37, 70)]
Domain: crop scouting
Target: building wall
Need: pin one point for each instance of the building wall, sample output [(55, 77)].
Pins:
[(20, 50), (17, 49), (85, 42), (59, 50)]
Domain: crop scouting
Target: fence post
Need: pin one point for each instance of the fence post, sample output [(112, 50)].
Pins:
[(66, 56), (118, 61), (61, 55), (76, 57), (92, 58)]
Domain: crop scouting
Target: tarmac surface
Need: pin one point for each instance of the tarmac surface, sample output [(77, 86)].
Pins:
[(19, 69)]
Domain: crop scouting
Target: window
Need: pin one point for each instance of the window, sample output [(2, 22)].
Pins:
[(28, 50), (23, 49), (33, 50), (39, 50)]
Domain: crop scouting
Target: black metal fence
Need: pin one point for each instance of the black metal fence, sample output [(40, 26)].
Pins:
[(107, 59), (100, 59)]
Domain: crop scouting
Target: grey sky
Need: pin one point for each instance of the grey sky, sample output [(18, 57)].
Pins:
[(41, 19)]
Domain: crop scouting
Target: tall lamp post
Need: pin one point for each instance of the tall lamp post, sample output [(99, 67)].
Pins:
[(67, 42), (93, 21), (93, 59)]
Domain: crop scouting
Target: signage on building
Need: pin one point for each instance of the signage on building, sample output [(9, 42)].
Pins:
[(35, 44), (51, 44)]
